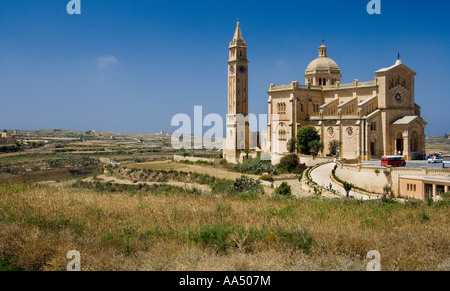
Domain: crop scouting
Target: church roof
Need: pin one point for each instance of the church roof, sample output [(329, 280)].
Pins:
[(406, 120), (397, 64), (323, 64), (367, 101), (346, 102), (328, 103)]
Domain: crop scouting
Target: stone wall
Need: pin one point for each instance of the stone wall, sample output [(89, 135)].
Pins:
[(374, 179), (309, 161), (191, 159)]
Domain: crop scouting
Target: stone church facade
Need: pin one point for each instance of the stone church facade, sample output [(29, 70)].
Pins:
[(370, 119)]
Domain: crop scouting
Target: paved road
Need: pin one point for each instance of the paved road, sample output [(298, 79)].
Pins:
[(410, 164), (322, 176)]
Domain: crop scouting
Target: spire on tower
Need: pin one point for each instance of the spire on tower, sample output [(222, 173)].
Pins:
[(238, 39)]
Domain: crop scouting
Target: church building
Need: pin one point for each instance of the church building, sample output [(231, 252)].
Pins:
[(370, 119)]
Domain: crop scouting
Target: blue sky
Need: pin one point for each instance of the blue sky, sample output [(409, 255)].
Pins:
[(129, 66)]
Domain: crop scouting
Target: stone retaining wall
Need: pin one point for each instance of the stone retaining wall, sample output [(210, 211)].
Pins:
[(374, 179), (191, 159)]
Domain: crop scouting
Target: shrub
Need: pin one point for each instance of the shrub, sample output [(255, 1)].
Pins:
[(315, 146), (222, 186), (203, 163), (248, 186), (300, 238), (445, 196), (288, 164), (284, 190), (219, 235), (387, 189), (268, 178), (292, 145), (334, 146), (255, 167)]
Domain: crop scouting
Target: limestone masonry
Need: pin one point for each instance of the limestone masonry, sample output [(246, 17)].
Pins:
[(370, 119)]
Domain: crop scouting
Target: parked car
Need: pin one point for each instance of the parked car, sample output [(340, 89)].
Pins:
[(446, 161), (395, 161), (435, 160)]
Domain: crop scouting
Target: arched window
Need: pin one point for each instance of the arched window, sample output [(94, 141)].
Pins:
[(282, 132), (320, 82), (414, 142), (324, 82), (281, 108)]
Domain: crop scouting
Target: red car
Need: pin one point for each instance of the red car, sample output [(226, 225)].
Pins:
[(394, 161)]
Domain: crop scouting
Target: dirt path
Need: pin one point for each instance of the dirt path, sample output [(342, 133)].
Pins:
[(322, 176)]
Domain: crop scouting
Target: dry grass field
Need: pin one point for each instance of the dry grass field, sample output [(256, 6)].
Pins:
[(171, 228)]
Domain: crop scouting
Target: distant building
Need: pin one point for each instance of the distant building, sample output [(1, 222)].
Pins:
[(7, 138), (93, 133), (424, 188)]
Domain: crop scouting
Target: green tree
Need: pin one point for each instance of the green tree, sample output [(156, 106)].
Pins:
[(284, 190), (334, 146), (348, 187), (315, 147), (305, 136), (292, 145), (288, 164)]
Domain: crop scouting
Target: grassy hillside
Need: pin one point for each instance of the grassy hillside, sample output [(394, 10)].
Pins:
[(438, 144), (173, 228)]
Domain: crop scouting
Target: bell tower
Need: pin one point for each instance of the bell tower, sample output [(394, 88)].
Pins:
[(237, 123)]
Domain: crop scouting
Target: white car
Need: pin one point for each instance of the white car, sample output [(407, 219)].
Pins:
[(434, 160)]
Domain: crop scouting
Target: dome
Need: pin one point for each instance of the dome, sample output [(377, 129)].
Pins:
[(323, 64)]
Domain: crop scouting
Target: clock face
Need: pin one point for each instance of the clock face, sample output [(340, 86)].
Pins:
[(232, 69), (242, 69), (399, 97)]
